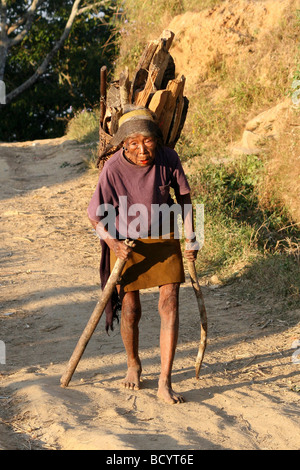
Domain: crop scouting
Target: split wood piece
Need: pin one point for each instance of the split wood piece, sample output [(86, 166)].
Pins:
[(151, 68), (158, 102), (157, 69), (138, 84), (103, 87), (162, 57), (142, 98), (141, 73), (203, 316), (124, 85), (94, 320), (116, 113), (167, 36), (176, 120), (170, 73), (113, 109), (176, 88), (104, 140), (183, 119)]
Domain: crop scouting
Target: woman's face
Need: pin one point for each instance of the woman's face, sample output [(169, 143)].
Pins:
[(140, 149)]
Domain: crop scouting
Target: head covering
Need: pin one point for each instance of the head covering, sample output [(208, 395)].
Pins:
[(136, 121)]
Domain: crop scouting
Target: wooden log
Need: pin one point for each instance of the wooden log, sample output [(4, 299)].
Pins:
[(138, 84), (160, 61), (141, 73), (175, 87), (158, 102), (124, 85), (103, 87), (106, 122), (104, 140), (116, 113), (113, 109), (142, 98), (161, 57), (182, 122), (154, 55), (167, 36), (169, 73), (176, 121), (147, 55), (157, 68), (113, 95)]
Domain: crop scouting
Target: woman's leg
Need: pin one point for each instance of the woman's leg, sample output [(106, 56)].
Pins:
[(168, 310), (130, 317)]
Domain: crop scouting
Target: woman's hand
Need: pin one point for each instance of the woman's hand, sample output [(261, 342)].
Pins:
[(191, 250), (121, 249), (191, 255)]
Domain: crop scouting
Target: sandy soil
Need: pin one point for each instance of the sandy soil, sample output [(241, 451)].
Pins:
[(228, 33), (248, 393)]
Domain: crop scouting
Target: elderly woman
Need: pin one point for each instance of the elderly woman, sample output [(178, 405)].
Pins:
[(141, 174)]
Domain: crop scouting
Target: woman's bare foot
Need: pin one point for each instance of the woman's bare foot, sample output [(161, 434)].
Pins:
[(167, 394), (133, 378)]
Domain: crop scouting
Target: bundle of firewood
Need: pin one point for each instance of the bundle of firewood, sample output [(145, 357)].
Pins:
[(154, 85)]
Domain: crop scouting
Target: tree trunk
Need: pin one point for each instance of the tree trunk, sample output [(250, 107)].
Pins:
[(5, 44)]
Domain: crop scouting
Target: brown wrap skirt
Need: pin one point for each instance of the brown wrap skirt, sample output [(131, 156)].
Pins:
[(153, 262)]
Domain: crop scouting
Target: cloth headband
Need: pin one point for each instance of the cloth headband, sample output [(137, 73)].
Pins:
[(136, 114), (138, 121)]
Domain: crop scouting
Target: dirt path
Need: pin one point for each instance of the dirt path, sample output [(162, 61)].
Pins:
[(247, 397)]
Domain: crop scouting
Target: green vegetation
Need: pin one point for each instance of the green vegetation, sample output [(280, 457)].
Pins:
[(84, 127), (71, 81), (244, 239)]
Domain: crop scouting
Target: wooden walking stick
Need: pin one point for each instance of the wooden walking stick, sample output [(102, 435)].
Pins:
[(203, 316), (94, 319)]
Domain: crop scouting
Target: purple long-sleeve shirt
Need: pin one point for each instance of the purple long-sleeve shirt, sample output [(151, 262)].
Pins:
[(123, 185), (146, 186)]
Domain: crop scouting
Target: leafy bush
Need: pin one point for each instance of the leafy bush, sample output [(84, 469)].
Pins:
[(239, 232)]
